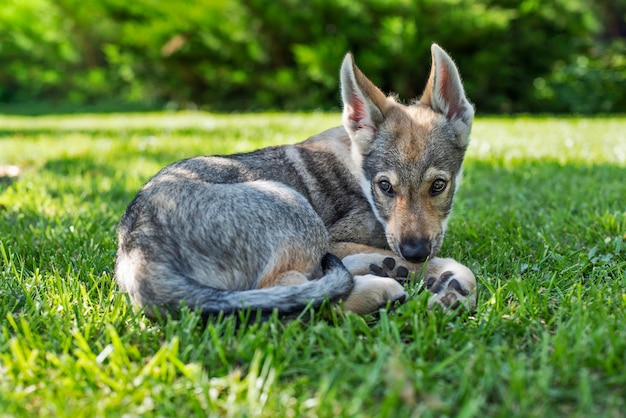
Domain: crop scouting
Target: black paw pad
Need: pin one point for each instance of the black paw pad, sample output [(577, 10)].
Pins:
[(401, 299), (430, 282), (389, 262), (454, 284), (378, 270), (436, 285), (390, 268), (402, 272)]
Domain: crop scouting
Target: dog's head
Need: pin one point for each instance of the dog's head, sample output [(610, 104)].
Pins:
[(409, 157)]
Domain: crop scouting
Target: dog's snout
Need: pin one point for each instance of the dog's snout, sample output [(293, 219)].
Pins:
[(415, 250)]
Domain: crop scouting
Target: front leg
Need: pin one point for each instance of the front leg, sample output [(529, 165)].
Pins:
[(451, 283)]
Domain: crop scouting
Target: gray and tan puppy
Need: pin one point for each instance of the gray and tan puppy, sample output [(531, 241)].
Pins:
[(259, 230)]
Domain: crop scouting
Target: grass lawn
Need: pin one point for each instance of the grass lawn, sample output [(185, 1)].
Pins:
[(540, 219)]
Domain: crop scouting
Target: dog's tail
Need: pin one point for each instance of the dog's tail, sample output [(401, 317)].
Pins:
[(335, 284)]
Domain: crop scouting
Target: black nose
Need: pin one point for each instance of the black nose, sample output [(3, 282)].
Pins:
[(415, 250)]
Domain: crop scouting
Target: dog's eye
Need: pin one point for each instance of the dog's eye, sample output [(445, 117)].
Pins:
[(438, 186), (386, 187)]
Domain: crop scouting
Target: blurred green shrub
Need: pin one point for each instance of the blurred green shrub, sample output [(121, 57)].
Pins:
[(588, 84), (515, 55)]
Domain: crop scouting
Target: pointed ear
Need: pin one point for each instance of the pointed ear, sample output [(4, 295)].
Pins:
[(444, 94), (364, 105)]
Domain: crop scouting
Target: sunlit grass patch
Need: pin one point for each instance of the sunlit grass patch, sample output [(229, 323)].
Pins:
[(540, 218)]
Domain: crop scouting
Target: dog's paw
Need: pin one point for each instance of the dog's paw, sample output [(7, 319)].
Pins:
[(371, 293), (453, 285), (377, 264), (390, 267)]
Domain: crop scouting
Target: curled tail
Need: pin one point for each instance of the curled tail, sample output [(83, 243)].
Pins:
[(335, 284)]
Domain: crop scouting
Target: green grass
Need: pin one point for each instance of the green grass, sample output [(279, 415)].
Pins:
[(541, 219)]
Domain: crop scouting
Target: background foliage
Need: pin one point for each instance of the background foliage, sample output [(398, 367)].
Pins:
[(515, 55)]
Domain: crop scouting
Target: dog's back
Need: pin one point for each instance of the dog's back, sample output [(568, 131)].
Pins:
[(208, 244)]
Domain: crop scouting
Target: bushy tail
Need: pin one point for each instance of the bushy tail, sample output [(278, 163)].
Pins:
[(337, 282)]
